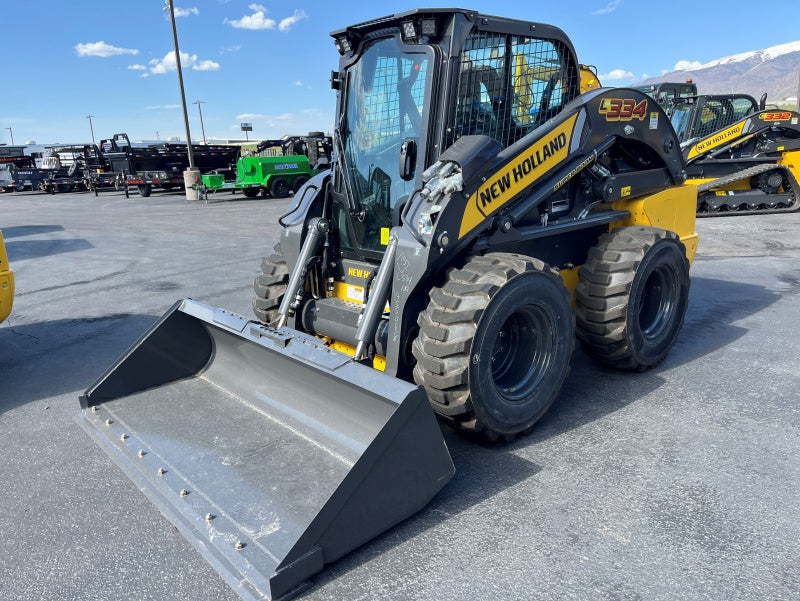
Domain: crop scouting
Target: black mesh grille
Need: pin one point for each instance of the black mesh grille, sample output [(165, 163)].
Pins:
[(382, 105), (508, 85)]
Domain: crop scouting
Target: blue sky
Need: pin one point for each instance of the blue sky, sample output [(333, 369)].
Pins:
[(269, 63)]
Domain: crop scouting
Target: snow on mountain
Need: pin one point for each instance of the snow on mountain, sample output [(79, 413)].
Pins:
[(775, 70)]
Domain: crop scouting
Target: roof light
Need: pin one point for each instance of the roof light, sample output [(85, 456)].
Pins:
[(342, 45), (428, 28), (409, 31)]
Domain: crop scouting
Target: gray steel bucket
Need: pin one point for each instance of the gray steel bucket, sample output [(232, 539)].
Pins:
[(271, 453)]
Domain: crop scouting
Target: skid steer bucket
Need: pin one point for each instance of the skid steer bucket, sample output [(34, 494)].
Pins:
[(271, 453)]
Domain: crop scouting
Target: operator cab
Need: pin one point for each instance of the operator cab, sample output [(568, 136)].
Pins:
[(403, 101)]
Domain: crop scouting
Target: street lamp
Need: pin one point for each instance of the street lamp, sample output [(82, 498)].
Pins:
[(203, 129), (12, 135), (191, 175), (89, 117)]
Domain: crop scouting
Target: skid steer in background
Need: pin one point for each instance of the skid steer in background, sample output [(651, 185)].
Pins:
[(475, 196), (744, 158)]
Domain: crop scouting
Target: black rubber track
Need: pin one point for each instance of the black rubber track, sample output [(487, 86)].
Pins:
[(631, 297), (469, 378), (270, 285)]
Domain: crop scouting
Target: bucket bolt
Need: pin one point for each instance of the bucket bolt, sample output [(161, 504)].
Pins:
[(161, 471), (239, 545)]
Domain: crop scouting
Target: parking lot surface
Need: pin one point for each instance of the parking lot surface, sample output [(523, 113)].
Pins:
[(682, 482)]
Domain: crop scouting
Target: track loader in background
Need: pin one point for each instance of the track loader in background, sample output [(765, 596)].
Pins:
[(745, 159), (475, 196), (668, 93)]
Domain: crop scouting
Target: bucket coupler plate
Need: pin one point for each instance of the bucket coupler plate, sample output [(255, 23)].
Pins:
[(271, 453)]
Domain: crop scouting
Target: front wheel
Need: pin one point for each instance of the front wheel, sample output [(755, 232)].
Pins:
[(270, 286), (251, 192), (495, 344), (632, 296), (145, 190)]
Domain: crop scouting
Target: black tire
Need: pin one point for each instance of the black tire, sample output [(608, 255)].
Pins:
[(168, 186), (270, 286), (279, 188), (145, 190), (299, 182), (251, 192), (513, 310), (632, 296)]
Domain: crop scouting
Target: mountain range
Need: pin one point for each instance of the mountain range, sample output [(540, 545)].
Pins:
[(774, 70)]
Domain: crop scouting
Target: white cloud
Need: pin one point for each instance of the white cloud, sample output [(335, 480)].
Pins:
[(257, 20), (185, 12), (101, 49), (137, 67), (228, 49), (299, 84), (609, 8), (687, 65), (188, 61), (286, 24), (616, 75)]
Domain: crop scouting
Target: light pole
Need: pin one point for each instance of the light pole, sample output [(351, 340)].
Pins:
[(12, 135), (191, 176), (91, 128), (203, 129)]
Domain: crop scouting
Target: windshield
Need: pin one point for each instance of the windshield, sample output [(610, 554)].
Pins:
[(680, 119), (385, 96)]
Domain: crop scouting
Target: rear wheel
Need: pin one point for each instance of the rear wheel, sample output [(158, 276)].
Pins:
[(632, 296), (145, 190), (251, 192), (495, 344), (299, 182), (279, 188), (270, 286)]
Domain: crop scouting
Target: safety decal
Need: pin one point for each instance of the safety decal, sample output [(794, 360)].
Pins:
[(623, 109)]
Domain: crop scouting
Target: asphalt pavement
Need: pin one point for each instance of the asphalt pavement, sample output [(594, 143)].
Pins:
[(682, 482)]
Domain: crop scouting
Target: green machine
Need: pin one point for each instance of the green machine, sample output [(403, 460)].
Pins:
[(276, 175)]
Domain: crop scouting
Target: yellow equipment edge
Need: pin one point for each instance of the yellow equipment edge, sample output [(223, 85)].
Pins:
[(6, 282)]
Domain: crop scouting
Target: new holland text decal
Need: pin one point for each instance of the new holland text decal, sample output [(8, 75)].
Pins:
[(523, 170), (714, 140), (623, 109)]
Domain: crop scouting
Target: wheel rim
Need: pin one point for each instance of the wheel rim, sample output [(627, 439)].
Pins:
[(522, 353), (657, 302)]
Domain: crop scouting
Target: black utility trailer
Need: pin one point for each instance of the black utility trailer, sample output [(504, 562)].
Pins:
[(162, 165)]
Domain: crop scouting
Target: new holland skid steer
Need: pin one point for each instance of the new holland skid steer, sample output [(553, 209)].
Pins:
[(745, 159), (479, 214)]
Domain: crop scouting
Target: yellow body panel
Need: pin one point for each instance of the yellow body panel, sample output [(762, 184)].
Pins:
[(791, 160), (6, 282), (672, 209)]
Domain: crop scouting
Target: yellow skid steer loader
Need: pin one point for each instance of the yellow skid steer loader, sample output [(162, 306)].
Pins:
[(481, 214)]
